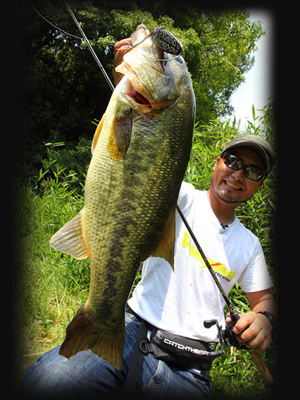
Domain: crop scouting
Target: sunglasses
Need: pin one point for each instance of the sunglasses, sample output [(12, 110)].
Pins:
[(236, 163)]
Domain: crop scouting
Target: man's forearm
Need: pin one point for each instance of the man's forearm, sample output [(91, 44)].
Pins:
[(262, 301)]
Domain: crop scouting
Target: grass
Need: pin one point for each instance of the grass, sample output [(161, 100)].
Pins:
[(50, 286)]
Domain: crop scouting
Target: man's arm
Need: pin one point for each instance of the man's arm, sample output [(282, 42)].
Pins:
[(258, 335)]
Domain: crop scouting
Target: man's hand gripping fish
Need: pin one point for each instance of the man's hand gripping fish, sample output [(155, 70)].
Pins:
[(140, 153)]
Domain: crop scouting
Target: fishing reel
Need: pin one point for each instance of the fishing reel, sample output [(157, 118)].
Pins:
[(227, 335)]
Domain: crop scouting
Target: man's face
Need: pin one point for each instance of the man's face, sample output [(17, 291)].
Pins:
[(232, 186)]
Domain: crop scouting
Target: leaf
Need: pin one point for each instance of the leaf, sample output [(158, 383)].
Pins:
[(253, 112)]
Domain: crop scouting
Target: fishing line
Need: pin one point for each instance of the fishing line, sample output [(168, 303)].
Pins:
[(58, 28), (83, 37), (90, 48)]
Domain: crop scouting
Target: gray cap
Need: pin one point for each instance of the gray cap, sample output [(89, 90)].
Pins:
[(256, 143)]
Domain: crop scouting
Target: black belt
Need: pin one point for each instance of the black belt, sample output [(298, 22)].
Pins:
[(178, 350), (130, 311)]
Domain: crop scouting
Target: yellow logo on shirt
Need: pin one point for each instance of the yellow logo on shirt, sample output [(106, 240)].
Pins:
[(220, 268)]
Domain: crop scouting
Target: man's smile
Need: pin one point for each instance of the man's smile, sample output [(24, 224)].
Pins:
[(232, 185)]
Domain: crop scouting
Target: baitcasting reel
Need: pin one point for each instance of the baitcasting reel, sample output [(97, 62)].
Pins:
[(227, 335)]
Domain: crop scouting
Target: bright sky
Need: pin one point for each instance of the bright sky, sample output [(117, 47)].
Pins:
[(257, 88)]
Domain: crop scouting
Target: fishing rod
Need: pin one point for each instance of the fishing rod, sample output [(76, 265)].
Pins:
[(224, 334), (233, 313), (90, 48), (227, 334)]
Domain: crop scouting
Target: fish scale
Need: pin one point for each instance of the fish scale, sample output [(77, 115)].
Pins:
[(140, 151)]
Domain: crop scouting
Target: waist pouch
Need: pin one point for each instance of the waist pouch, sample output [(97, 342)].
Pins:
[(178, 350)]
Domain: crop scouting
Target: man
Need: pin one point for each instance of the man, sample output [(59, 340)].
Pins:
[(177, 303)]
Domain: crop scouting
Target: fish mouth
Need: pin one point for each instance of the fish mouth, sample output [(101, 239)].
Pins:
[(134, 90), (138, 98), (138, 95)]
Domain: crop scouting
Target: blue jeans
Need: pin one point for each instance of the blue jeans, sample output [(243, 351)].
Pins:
[(88, 376)]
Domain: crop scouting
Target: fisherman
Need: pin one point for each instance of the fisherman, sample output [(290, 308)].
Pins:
[(175, 304)]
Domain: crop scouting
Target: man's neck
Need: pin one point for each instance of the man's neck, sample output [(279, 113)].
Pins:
[(223, 211)]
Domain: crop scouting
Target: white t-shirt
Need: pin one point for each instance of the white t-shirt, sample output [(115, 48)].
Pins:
[(180, 301)]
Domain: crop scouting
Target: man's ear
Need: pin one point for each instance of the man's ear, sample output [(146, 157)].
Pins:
[(217, 162)]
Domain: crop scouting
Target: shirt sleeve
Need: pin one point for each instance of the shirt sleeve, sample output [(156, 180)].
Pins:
[(186, 195), (256, 276)]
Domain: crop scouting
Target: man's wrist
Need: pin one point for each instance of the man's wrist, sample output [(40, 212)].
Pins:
[(272, 319)]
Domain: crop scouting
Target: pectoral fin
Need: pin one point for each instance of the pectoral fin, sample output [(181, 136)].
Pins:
[(120, 135), (97, 134), (70, 240), (165, 247)]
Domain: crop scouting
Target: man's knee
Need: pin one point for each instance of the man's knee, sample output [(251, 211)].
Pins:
[(53, 375)]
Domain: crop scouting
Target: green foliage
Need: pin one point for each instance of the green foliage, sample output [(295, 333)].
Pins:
[(207, 142), (63, 88), (64, 166)]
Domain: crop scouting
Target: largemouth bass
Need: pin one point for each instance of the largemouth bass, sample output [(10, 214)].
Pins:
[(140, 153)]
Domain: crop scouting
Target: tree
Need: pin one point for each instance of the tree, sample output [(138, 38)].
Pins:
[(64, 88)]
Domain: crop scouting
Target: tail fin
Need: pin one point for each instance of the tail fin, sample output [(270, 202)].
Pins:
[(82, 334)]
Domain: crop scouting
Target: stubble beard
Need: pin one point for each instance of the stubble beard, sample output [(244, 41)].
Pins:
[(227, 199), (218, 194)]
